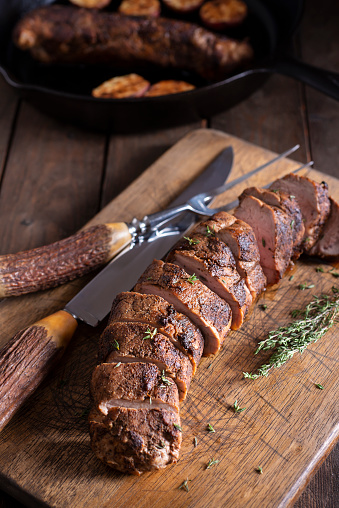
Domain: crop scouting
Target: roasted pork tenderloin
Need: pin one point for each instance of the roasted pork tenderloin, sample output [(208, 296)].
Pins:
[(273, 232), (212, 261), (130, 342), (289, 205), (135, 422), (327, 246), (314, 203), (191, 297), (157, 313), (240, 238), (65, 34)]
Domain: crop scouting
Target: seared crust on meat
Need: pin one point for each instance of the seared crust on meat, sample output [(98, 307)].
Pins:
[(207, 310), (70, 35), (314, 203), (327, 246), (213, 262), (155, 311), (136, 440), (288, 204), (272, 228), (131, 382), (124, 341), (240, 238)]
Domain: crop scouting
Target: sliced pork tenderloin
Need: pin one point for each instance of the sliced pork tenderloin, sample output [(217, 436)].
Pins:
[(190, 297), (156, 312), (136, 439), (212, 261), (128, 342), (327, 246), (240, 238), (272, 228), (113, 384), (313, 201), (288, 204)]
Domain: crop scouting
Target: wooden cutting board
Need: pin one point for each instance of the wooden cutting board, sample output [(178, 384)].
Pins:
[(287, 428)]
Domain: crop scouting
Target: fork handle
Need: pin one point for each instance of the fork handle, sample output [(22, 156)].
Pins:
[(48, 266)]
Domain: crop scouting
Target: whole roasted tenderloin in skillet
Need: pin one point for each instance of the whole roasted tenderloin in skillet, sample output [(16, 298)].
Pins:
[(156, 312), (240, 238), (272, 228), (288, 204), (134, 425), (212, 261), (327, 246), (190, 297), (128, 342), (312, 197), (66, 34)]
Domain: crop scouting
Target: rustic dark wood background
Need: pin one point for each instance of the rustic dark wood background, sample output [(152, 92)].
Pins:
[(55, 177)]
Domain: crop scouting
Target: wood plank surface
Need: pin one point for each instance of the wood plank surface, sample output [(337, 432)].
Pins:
[(288, 426)]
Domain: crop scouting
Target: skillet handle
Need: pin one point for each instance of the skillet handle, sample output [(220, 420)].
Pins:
[(325, 81)]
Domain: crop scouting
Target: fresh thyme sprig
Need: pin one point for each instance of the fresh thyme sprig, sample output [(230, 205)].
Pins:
[(318, 317), (192, 279), (149, 334), (184, 485), (212, 462), (192, 241), (210, 428), (236, 408)]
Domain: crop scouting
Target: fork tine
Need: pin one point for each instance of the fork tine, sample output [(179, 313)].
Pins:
[(235, 203), (209, 195)]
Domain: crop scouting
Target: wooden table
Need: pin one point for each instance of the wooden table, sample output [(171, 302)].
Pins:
[(55, 177)]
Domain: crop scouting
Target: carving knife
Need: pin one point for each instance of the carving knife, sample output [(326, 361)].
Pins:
[(32, 353)]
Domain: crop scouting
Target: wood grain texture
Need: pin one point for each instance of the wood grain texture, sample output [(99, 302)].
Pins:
[(288, 425)]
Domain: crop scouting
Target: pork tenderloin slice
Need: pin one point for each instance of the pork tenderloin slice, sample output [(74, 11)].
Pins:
[(136, 440), (190, 297), (144, 342), (155, 311), (314, 203), (240, 238), (327, 246), (132, 382), (272, 229), (288, 204), (212, 261)]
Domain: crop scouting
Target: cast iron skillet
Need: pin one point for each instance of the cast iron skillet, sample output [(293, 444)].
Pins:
[(64, 91)]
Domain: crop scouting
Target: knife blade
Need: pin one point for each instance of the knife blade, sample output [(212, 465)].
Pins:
[(77, 255), (32, 353)]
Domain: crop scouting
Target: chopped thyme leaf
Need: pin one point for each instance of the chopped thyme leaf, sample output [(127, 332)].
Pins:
[(192, 279), (195, 442), (184, 485), (291, 278), (177, 427), (150, 400), (236, 407), (318, 385), (161, 446), (210, 428), (191, 241), (274, 190), (292, 223), (332, 272), (149, 334), (115, 345), (210, 232), (291, 196), (263, 306), (319, 269), (305, 286), (165, 380), (263, 242), (212, 462), (259, 470), (149, 278), (117, 365)]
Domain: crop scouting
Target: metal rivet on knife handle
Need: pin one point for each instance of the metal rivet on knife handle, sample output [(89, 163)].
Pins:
[(29, 357), (48, 266)]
